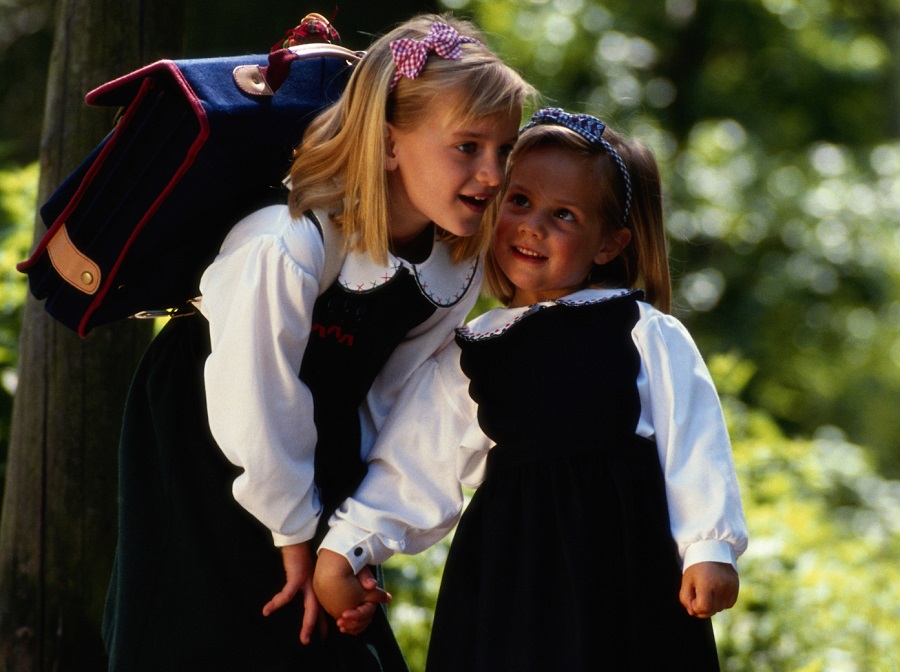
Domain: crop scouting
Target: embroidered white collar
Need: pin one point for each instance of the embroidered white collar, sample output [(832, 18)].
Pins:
[(497, 321), (440, 280)]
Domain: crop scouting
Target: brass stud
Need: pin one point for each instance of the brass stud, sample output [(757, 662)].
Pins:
[(87, 278)]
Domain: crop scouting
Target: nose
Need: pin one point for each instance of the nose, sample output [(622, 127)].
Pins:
[(533, 225), (490, 172)]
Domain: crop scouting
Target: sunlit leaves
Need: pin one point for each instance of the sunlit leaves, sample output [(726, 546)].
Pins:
[(18, 191), (819, 583)]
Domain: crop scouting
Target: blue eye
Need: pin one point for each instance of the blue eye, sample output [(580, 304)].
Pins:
[(565, 214), (466, 147), (518, 199)]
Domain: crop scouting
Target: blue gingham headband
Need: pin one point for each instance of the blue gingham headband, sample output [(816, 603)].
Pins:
[(591, 129)]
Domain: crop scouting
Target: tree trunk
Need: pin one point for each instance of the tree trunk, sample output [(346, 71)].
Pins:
[(58, 531)]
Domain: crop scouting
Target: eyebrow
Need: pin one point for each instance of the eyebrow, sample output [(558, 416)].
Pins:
[(473, 135), (518, 187)]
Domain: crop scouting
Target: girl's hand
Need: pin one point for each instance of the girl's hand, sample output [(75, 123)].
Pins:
[(708, 588), (298, 572), (354, 621), (350, 599)]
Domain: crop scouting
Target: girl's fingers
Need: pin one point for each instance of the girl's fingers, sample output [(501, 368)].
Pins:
[(354, 621), (288, 593), (367, 579), (310, 614), (686, 597)]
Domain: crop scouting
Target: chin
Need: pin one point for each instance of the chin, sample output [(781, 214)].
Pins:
[(462, 231)]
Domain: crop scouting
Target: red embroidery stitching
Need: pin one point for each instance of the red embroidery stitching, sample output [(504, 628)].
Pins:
[(335, 330)]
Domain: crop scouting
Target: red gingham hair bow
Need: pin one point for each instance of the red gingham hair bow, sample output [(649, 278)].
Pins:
[(410, 55)]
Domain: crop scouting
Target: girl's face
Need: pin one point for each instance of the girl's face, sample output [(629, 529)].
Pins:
[(446, 171), (549, 231)]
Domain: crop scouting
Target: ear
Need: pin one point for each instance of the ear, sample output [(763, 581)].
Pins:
[(612, 245), (390, 156)]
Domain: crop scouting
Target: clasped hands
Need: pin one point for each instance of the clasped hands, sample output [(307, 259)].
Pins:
[(706, 589), (331, 583)]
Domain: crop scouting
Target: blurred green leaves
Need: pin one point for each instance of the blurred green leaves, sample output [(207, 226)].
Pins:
[(18, 193), (820, 585), (776, 127)]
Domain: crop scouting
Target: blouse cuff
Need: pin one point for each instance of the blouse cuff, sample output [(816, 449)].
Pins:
[(358, 546), (288, 539), (307, 533), (710, 550)]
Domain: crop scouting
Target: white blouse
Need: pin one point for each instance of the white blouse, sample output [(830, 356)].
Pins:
[(258, 296), (432, 443)]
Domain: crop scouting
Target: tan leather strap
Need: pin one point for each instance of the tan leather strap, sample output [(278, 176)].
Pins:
[(252, 79), (73, 266)]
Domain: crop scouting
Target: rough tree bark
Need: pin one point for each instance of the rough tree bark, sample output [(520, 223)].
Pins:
[(58, 530)]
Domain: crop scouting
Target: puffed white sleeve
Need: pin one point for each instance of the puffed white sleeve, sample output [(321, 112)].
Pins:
[(258, 296), (681, 411), (411, 496)]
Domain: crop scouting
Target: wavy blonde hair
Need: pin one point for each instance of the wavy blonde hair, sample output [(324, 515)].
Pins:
[(340, 164), (644, 263)]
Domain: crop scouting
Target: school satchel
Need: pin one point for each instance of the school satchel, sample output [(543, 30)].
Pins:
[(199, 144)]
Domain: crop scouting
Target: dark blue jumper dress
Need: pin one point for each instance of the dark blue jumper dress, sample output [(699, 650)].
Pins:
[(564, 559), (193, 569)]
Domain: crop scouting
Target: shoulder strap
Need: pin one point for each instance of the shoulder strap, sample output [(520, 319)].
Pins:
[(334, 249)]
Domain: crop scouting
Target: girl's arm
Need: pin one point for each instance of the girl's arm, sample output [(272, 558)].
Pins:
[(417, 409), (258, 296), (411, 496), (681, 412)]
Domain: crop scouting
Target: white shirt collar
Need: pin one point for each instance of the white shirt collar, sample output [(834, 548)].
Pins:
[(497, 321), (440, 280)]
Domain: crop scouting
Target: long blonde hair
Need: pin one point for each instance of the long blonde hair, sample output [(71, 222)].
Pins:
[(340, 164), (644, 262)]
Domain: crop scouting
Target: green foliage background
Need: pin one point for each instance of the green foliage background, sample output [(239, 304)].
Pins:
[(18, 192), (775, 123), (776, 126)]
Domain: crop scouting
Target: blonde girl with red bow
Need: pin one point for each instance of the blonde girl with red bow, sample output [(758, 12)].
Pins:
[(249, 423)]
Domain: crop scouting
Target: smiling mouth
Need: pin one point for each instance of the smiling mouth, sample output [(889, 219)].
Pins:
[(480, 202), (531, 254)]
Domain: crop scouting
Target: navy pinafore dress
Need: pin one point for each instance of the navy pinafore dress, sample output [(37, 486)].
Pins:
[(193, 568), (564, 558)]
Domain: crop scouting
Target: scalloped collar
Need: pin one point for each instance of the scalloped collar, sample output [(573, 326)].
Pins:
[(497, 321), (440, 280)]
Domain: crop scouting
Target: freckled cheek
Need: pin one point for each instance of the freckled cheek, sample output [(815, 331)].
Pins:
[(503, 232), (501, 242), (505, 219)]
